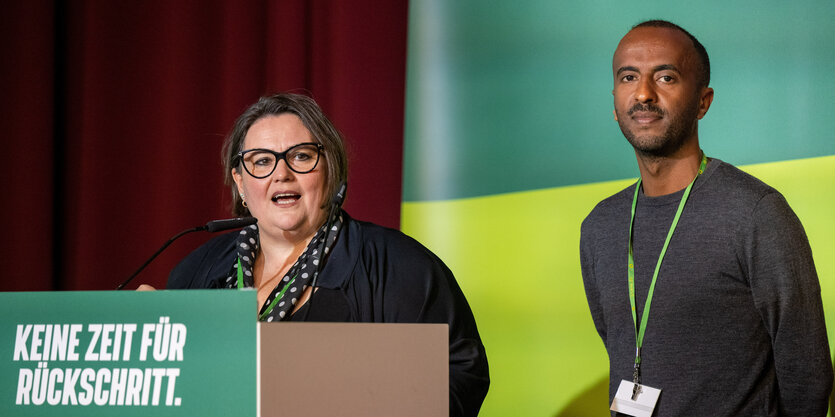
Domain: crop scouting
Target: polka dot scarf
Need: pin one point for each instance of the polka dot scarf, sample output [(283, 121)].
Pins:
[(284, 296)]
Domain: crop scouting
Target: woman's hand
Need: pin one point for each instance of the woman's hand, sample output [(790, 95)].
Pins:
[(145, 287)]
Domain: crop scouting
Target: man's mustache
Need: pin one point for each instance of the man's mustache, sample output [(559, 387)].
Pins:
[(649, 107)]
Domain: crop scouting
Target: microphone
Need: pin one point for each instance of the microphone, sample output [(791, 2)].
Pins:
[(212, 226), (226, 224), (339, 197)]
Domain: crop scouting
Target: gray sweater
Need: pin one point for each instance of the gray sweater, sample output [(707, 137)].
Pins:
[(736, 326)]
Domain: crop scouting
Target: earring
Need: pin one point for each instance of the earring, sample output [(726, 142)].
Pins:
[(243, 202)]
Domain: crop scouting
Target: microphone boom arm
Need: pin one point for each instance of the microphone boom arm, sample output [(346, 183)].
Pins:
[(212, 226), (159, 251)]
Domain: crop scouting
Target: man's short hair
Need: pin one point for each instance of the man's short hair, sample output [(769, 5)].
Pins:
[(704, 80)]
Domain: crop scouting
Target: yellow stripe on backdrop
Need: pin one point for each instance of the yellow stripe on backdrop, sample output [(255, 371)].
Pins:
[(516, 257)]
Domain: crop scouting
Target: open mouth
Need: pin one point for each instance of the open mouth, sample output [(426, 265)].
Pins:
[(285, 198)]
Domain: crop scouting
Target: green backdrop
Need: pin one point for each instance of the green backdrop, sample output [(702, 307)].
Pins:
[(510, 142)]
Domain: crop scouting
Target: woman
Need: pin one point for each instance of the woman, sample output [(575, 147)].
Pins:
[(286, 165)]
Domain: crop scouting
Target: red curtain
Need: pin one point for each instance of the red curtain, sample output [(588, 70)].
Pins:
[(115, 113)]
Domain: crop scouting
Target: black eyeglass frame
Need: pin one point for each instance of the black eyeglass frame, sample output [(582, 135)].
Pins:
[(279, 156)]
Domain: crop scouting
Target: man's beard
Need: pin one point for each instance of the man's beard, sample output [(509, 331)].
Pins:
[(677, 133)]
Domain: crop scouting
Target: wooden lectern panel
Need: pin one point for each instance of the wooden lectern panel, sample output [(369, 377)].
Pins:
[(353, 369)]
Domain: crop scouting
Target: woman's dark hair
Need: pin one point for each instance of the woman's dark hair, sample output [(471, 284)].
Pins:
[(322, 130)]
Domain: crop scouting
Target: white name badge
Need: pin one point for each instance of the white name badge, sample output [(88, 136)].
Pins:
[(641, 405)]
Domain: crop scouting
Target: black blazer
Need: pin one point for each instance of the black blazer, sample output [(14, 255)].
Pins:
[(374, 274)]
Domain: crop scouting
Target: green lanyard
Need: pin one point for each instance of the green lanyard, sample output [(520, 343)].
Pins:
[(266, 313), (639, 333)]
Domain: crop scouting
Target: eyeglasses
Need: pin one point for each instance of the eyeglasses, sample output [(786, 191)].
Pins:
[(301, 159)]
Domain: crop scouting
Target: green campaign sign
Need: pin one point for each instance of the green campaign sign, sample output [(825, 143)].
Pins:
[(164, 353)]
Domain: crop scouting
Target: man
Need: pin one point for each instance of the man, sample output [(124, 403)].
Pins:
[(736, 326)]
